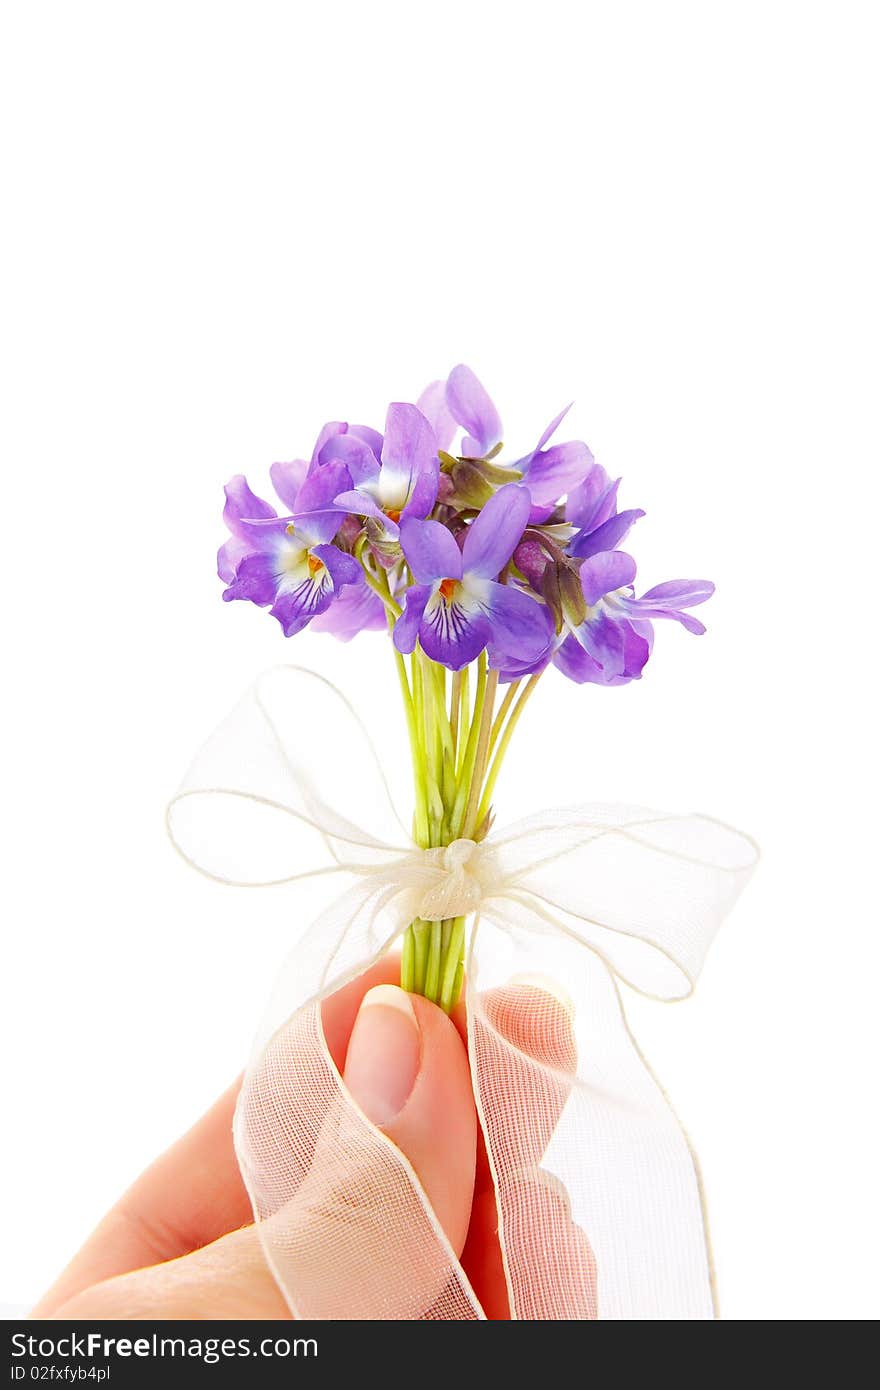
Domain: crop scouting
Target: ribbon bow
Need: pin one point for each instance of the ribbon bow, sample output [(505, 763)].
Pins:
[(599, 1201)]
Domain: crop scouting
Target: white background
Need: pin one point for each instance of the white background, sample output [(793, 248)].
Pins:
[(225, 224)]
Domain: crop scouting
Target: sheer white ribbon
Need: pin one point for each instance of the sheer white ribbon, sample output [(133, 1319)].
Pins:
[(599, 1199)]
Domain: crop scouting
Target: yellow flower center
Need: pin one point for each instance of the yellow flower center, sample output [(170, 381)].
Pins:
[(448, 588), (315, 565)]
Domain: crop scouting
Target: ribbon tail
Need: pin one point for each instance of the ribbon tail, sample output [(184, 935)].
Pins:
[(344, 1223), (600, 1209)]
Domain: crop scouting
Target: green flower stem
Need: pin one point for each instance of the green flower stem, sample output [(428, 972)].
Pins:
[(432, 967), (457, 751), (421, 933), (502, 715), (380, 587), (504, 744), (471, 818), (455, 714), (420, 815), (465, 719), (470, 753), (408, 960), (456, 988), (453, 966)]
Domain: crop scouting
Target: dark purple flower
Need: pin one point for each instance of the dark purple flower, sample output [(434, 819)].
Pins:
[(288, 564), (402, 481), (456, 608)]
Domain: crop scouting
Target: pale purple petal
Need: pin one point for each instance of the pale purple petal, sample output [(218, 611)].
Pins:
[(287, 479), (408, 451), (319, 528), (680, 593), (256, 580), (317, 518), (242, 504), (430, 550), (688, 621), (593, 501), (630, 655), (667, 600), (576, 664), (432, 404), (492, 537), (354, 453), (371, 436), (453, 633), (602, 574), (356, 609), (606, 536), (328, 431), (473, 410), (603, 639), (636, 648), (510, 670), (538, 515), (342, 568), (639, 608), (522, 628), (552, 428), (423, 494), (264, 533), (556, 471), (406, 629), (229, 557), (360, 504), (324, 482)]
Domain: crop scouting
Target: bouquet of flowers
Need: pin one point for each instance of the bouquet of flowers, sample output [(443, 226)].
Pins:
[(485, 574)]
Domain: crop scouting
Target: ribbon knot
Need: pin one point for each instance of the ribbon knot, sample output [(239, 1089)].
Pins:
[(458, 888), (457, 855)]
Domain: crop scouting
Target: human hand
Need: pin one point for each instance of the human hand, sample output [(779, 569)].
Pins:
[(180, 1243)]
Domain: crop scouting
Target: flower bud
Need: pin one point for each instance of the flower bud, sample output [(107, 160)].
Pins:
[(551, 595), (560, 587), (574, 605), (349, 531), (385, 548), (476, 480), (471, 489), (531, 559)]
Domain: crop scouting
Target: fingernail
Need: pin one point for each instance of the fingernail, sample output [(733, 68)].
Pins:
[(548, 986), (384, 1052)]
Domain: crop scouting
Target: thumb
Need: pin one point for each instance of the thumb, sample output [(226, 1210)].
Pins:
[(407, 1068)]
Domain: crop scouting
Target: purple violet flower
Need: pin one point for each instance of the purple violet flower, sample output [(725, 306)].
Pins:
[(456, 608), (287, 564), (401, 481), (568, 596), (612, 643)]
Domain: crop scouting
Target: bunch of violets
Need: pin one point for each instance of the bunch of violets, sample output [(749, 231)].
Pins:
[(486, 573)]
